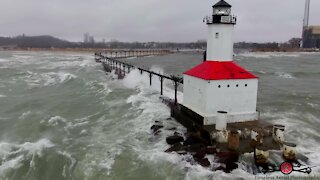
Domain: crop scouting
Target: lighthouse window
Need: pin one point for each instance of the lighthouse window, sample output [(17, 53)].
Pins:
[(246, 85), (228, 85), (219, 86), (237, 85), (217, 35)]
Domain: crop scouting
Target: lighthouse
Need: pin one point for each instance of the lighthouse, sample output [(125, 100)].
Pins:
[(219, 84)]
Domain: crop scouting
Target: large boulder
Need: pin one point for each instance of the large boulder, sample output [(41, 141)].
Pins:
[(155, 128), (211, 150), (227, 168), (203, 162), (178, 148), (195, 147), (194, 138), (201, 153), (174, 139), (177, 133), (227, 157), (230, 167), (171, 128), (205, 135)]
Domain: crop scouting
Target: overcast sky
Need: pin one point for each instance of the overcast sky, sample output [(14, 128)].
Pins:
[(151, 20)]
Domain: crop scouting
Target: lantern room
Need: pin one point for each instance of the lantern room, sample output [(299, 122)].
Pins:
[(222, 8)]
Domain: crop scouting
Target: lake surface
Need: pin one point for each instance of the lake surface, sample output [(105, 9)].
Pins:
[(62, 117)]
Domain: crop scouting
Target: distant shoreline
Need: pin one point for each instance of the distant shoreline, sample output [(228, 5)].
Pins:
[(83, 50), (93, 50), (284, 50)]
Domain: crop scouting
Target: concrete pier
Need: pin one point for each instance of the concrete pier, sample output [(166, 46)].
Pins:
[(122, 68), (126, 53)]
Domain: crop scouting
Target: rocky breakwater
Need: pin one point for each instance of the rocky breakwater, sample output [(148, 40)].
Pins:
[(197, 143)]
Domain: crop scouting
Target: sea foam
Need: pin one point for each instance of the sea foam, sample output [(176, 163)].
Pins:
[(53, 78), (12, 156), (268, 55), (284, 75), (3, 60), (136, 80)]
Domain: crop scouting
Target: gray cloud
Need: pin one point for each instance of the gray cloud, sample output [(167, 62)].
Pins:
[(151, 20)]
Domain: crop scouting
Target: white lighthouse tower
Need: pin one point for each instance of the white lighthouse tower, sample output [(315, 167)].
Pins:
[(219, 84)]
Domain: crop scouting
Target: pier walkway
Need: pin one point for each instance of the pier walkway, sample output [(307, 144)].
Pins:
[(127, 53), (122, 68)]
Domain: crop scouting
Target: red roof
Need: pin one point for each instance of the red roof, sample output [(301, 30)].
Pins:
[(215, 70)]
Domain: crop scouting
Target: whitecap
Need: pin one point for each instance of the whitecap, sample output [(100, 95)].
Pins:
[(313, 105), (103, 161), (66, 76), (36, 147), (268, 55), (56, 120), (52, 78), (284, 75), (136, 80), (12, 156), (101, 87), (10, 164), (71, 62), (72, 161), (71, 126), (3, 60), (2, 96), (83, 132), (262, 72), (22, 56), (25, 115), (47, 79), (255, 55), (78, 124)]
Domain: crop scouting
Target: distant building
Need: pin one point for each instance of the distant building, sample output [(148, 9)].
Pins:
[(311, 37), (91, 39), (86, 38), (310, 34)]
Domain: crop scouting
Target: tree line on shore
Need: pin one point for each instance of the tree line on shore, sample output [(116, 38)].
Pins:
[(48, 42)]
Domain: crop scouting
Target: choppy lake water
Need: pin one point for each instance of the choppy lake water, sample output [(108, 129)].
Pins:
[(63, 118)]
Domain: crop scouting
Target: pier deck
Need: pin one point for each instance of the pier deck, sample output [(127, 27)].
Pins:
[(192, 121), (246, 127)]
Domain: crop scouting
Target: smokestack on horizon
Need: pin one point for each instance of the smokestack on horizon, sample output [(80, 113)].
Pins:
[(306, 14)]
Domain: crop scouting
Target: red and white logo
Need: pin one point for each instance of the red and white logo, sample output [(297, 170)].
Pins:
[(286, 168)]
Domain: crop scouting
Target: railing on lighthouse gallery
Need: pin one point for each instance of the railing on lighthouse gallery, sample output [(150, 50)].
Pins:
[(228, 19)]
